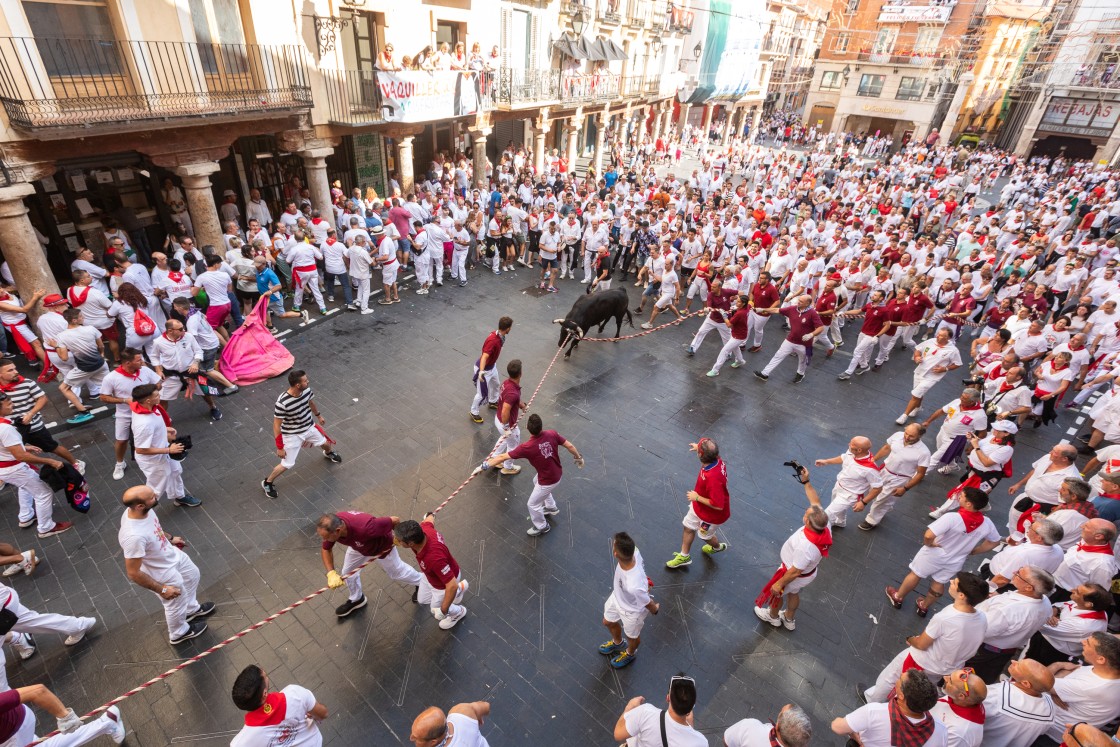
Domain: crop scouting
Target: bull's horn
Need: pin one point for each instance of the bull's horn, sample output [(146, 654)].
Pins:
[(579, 333), (557, 321)]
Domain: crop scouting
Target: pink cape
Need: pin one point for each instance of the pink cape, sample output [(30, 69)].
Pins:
[(253, 354)]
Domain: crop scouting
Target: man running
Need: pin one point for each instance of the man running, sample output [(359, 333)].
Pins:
[(709, 505), (485, 373), (296, 423)]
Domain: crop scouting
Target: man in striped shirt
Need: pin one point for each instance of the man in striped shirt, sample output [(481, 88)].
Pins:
[(296, 422), (28, 401)]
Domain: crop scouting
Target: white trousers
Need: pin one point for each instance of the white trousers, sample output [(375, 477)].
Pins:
[(459, 263), (886, 499), (35, 623), (36, 499), (539, 500), (730, 347), (395, 568), (506, 441), (861, 356), (185, 577), (787, 349), (162, 474), (888, 678), (755, 324), (485, 389), (422, 264), (837, 509), (84, 734), (308, 281), (707, 326), (362, 297), (437, 266), (433, 597), (886, 345), (908, 335)]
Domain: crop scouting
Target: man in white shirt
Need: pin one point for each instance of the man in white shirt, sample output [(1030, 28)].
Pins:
[(1061, 639), (217, 284), (460, 726), (288, 717), (1042, 484), (1012, 619), (1019, 710), (154, 560), (1089, 693), (256, 209), (642, 724), (99, 274), (1040, 549), (177, 358), (1090, 561), (152, 436), (626, 609), (792, 728), (305, 274), (358, 261), (912, 698), (904, 459), (934, 359), (859, 483), (962, 710), (951, 636)]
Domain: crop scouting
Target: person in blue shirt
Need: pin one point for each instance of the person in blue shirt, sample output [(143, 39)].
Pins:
[(495, 201), (611, 176), (268, 284), (1108, 502), (373, 221)]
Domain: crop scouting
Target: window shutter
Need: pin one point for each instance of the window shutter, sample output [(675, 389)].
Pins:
[(506, 35), (535, 42)]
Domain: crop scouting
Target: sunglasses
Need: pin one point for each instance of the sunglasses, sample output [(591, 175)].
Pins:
[(966, 672)]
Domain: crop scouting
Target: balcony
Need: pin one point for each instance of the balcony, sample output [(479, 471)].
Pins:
[(910, 59), (1102, 76), (51, 85), (903, 13), (609, 13), (517, 87), (356, 97)]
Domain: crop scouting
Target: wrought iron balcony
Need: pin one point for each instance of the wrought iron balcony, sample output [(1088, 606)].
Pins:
[(519, 87), (355, 97), (53, 84)]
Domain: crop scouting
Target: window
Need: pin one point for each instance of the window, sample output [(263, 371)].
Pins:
[(910, 89), (74, 40), (928, 39), (884, 42), (871, 85), (843, 39), (853, 6), (832, 81), (218, 22)]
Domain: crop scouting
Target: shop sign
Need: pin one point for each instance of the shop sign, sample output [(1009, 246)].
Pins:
[(1089, 117), (883, 109), (915, 13), (422, 96)]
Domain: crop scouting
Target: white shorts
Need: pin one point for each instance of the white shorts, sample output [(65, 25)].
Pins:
[(799, 583), (293, 442), (172, 386), (632, 622), (389, 273), (122, 425), (922, 385), (702, 528), (929, 563), (664, 301), (25, 332)]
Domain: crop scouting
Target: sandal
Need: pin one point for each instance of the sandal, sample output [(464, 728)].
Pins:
[(922, 609), (894, 600)]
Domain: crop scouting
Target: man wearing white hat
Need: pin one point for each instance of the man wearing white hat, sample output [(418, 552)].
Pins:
[(986, 462)]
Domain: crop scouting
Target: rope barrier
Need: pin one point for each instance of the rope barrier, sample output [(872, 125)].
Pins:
[(256, 626)]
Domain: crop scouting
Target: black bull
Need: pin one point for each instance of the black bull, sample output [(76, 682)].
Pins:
[(591, 310)]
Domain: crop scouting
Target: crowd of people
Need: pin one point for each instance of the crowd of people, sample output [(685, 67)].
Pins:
[(1019, 293)]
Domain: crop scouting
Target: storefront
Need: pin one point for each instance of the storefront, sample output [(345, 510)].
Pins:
[(361, 161), (1074, 128)]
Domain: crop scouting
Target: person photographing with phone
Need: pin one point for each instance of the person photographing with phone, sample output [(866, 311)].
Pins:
[(801, 555)]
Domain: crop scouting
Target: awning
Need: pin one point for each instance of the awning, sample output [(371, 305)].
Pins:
[(582, 48), (616, 51)]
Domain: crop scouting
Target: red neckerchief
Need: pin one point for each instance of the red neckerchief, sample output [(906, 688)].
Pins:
[(867, 461), (1099, 549), (966, 408), (774, 737), (10, 387), (273, 711), (822, 540), (1113, 496), (139, 409), (122, 372), (975, 713), (5, 421), (1005, 387), (76, 300), (972, 520), (175, 277)]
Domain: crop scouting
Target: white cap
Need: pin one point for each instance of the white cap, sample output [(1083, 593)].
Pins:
[(1007, 426)]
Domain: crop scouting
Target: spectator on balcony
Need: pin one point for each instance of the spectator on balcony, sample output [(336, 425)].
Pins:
[(423, 60), (441, 60), (459, 58), (476, 61), (406, 63), (385, 60), (494, 61)]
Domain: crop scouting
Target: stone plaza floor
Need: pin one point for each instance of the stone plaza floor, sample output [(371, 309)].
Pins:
[(395, 388)]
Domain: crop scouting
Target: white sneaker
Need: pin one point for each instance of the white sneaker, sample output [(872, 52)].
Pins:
[(75, 639), (367, 311), (464, 585), (763, 613), (451, 621), (948, 469), (901, 419), (24, 645), (27, 565), (80, 466), (585, 281), (113, 714), (786, 622), (118, 470)]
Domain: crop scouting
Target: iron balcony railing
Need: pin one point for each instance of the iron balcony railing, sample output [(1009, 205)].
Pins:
[(354, 97), (57, 83), (517, 86)]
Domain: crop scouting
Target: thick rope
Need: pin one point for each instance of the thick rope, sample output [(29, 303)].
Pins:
[(256, 626)]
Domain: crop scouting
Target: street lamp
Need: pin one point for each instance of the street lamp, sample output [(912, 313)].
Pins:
[(697, 51), (656, 45), (579, 23), (846, 71)]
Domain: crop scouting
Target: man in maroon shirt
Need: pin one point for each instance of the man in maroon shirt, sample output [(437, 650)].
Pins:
[(805, 325), (17, 720), (709, 504), (896, 310), (763, 299), (485, 373), (364, 537), (505, 419), (441, 588), (875, 323), (958, 310), (719, 302), (917, 305), (738, 324), (827, 304), (543, 452)]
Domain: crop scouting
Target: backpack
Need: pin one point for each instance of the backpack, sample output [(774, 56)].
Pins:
[(143, 324)]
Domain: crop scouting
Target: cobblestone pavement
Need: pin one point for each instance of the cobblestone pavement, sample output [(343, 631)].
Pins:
[(395, 388)]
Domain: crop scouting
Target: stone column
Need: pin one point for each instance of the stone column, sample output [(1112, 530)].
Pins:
[(200, 203), (315, 165), (682, 121), (404, 164), (756, 121), (478, 138), (658, 117), (951, 116), (726, 138), (600, 131), (575, 123), (22, 249), (541, 126), (709, 110)]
